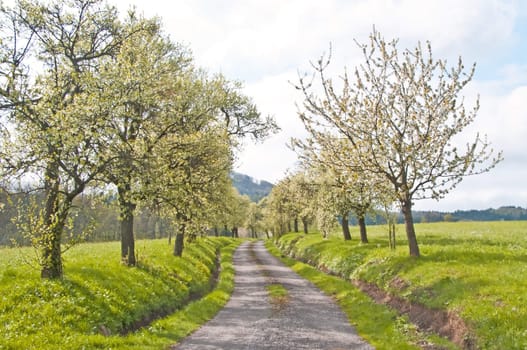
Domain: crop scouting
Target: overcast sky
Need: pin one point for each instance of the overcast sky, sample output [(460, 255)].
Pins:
[(266, 43)]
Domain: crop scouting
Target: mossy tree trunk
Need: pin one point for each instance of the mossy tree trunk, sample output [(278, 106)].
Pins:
[(55, 215), (179, 244), (345, 226), (127, 208), (52, 233), (305, 223)]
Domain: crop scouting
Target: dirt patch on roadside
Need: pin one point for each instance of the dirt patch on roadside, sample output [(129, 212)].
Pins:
[(446, 324)]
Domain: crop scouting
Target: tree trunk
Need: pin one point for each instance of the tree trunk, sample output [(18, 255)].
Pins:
[(288, 226), (362, 229), (52, 255), (162, 228), (155, 226), (304, 224), (127, 236), (410, 230), (54, 221), (127, 208), (295, 224), (216, 233), (180, 243), (345, 227)]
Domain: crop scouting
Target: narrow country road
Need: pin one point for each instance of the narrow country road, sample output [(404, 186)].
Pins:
[(308, 319)]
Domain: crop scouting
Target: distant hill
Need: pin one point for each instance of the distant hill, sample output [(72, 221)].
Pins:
[(255, 189)]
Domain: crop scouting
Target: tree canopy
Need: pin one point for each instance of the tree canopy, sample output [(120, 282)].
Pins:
[(397, 118), (90, 99)]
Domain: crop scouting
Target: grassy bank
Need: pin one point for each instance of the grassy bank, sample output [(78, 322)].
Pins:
[(476, 270), (98, 299), (377, 324)]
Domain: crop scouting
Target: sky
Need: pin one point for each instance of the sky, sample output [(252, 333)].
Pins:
[(266, 44)]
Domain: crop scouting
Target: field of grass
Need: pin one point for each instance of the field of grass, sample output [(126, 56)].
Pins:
[(99, 298), (475, 269)]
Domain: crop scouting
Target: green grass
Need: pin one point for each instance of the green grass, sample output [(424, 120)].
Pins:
[(278, 295), (177, 326), (475, 269), (97, 292), (276, 290)]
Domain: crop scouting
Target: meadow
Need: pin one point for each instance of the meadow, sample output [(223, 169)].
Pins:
[(101, 304), (476, 270), (472, 269)]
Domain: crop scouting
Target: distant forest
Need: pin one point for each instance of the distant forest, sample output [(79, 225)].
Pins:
[(506, 213), (246, 185), (94, 217)]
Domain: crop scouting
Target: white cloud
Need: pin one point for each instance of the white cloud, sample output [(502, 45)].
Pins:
[(511, 128), (450, 24), (503, 118)]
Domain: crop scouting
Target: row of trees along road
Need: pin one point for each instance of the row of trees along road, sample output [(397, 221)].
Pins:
[(91, 99), (389, 132)]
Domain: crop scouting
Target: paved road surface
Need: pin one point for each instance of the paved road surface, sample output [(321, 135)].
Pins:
[(307, 320)]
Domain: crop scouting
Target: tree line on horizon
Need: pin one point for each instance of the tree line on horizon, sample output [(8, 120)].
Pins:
[(503, 213), (259, 190)]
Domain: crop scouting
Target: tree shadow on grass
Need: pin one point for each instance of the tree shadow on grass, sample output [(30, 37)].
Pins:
[(98, 300)]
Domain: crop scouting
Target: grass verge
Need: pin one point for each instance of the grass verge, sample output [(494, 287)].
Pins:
[(99, 298), (377, 324), (172, 329)]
